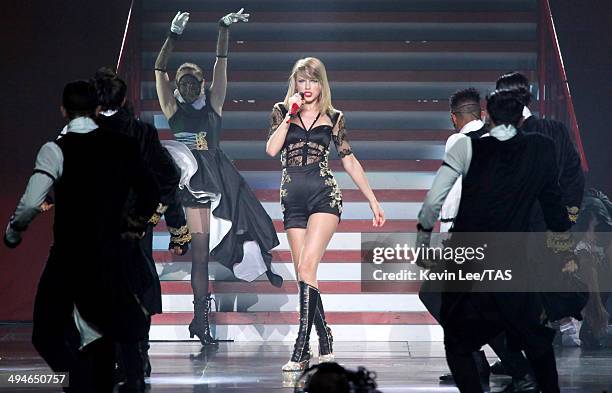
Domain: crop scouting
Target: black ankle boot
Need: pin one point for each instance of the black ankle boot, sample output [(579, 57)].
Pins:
[(326, 340), (309, 299), (482, 366), (200, 325), (144, 353), (525, 384)]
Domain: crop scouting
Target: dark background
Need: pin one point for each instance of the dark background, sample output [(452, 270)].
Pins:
[(47, 43)]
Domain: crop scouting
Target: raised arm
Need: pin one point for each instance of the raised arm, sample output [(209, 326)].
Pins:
[(162, 80), (218, 87)]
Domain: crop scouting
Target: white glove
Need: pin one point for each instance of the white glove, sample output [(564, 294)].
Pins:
[(234, 17), (179, 22)]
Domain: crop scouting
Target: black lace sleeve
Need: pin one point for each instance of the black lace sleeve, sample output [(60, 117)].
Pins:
[(340, 138), (276, 118)]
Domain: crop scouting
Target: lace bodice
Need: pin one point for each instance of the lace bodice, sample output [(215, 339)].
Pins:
[(305, 146)]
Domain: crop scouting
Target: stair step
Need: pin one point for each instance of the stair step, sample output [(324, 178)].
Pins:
[(378, 180), (291, 318), (282, 302), (336, 165), (272, 195), (351, 31), (355, 17), (224, 6), (262, 105), (360, 210), (390, 120), (345, 226), (392, 61), (439, 136), (290, 287), (358, 46), (278, 256), (345, 271), (465, 76), (357, 332), (273, 92), (364, 150)]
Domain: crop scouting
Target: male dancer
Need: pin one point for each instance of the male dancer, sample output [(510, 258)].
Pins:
[(138, 254), (83, 304), (466, 116), (507, 173), (570, 174), (571, 181)]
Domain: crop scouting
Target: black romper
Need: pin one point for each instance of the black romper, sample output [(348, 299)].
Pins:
[(308, 185), (218, 182)]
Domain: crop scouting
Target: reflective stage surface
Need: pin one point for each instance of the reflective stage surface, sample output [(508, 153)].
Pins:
[(255, 367)]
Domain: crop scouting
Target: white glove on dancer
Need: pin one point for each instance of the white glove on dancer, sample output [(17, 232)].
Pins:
[(179, 22), (234, 17)]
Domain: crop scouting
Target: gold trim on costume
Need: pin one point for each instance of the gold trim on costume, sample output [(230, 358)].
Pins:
[(200, 141), (559, 241), (161, 209), (573, 213), (330, 180), (180, 235)]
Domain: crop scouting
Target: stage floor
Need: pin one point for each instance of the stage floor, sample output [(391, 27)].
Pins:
[(253, 368)]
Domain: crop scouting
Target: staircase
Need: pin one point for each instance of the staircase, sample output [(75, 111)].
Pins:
[(392, 66)]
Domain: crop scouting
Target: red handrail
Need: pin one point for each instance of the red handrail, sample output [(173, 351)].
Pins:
[(553, 79)]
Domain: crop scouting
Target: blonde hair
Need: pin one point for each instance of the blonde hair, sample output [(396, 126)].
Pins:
[(312, 68), (189, 68)]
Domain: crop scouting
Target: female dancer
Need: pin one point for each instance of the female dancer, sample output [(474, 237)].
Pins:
[(302, 128), (224, 216)]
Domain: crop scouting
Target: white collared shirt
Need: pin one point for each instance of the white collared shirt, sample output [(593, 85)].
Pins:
[(449, 209)]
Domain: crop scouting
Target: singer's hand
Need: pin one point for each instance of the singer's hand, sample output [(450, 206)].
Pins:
[(379, 214), (295, 99), (295, 103)]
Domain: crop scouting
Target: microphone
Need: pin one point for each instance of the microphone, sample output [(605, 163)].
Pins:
[(295, 108)]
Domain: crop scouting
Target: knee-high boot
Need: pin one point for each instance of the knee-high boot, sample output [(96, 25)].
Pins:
[(326, 340), (309, 299)]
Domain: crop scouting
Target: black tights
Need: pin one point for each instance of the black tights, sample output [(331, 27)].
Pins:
[(199, 265)]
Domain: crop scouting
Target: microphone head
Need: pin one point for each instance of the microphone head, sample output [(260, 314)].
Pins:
[(302, 94)]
